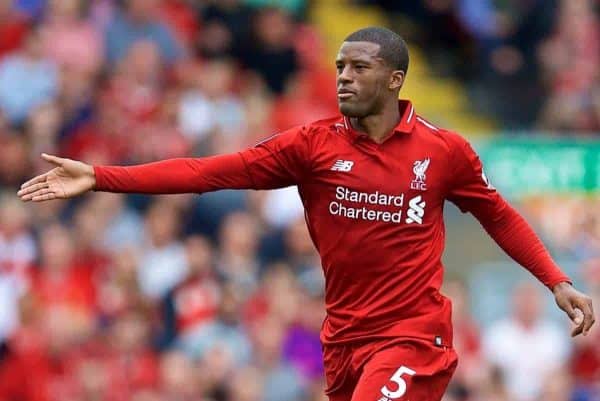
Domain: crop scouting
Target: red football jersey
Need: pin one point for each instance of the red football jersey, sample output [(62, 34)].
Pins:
[(374, 212)]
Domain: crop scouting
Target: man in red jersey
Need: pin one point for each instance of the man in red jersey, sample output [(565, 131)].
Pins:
[(373, 182)]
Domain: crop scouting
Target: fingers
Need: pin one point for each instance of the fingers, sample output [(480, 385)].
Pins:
[(44, 195), (585, 316), (574, 314), (579, 321), (26, 193), (588, 316), (34, 180), (37, 194), (57, 161)]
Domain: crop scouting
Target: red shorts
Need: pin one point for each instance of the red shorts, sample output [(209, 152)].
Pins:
[(388, 370)]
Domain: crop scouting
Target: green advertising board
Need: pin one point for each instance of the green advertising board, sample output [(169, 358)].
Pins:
[(524, 167)]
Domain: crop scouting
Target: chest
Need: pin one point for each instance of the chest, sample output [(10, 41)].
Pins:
[(380, 174)]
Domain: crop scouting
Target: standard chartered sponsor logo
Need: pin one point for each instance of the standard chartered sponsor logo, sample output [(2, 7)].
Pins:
[(345, 198), (416, 210), (351, 204), (373, 198)]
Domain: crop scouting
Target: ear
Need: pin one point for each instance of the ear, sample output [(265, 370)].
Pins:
[(396, 80)]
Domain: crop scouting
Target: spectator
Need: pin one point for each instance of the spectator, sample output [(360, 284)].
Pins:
[(271, 55), (103, 139), (470, 372), (301, 255), (246, 385), (163, 263), (494, 387), (69, 39), (118, 290), (225, 29), (237, 259), (13, 28), (136, 86), (42, 128), (571, 61), (140, 21), (121, 227), (27, 80), (192, 305), (17, 254), (14, 160), (179, 15), (224, 338), (295, 7), (208, 106), (526, 332), (302, 346), (178, 377), (42, 362), (63, 282), (281, 380), (131, 363), (299, 103)]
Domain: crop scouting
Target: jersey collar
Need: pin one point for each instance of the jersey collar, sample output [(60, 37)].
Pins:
[(405, 126), (407, 122)]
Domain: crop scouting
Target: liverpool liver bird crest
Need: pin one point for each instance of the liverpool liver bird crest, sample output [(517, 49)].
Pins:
[(420, 166)]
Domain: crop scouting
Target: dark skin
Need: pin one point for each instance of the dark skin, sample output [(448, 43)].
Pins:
[(371, 103), (368, 89)]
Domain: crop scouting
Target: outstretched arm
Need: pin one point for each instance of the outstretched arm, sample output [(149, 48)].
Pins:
[(471, 192), (278, 162), (516, 237), (172, 176)]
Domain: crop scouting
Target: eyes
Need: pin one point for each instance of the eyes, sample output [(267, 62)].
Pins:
[(357, 67)]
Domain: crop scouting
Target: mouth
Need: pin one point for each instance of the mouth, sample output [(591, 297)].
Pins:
[(344, 94)]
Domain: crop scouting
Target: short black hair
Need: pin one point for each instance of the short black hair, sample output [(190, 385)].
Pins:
[(392, 48)]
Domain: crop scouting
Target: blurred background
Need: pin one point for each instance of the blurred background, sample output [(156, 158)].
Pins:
[(219, 297)]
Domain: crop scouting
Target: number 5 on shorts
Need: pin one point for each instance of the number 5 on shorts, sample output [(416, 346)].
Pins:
[(397, 378)]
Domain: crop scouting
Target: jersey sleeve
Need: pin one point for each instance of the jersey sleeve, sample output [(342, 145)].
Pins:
[(469, 188), (471, 191), (281, 160)]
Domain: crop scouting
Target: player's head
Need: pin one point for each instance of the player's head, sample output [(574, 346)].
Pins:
[(371, 66)]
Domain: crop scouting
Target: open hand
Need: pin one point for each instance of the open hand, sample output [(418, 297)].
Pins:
[(68, 179)]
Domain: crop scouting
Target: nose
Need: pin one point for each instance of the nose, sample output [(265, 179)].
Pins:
[(345, 76)]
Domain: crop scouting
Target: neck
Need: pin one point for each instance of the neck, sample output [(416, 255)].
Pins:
[(378, 126)]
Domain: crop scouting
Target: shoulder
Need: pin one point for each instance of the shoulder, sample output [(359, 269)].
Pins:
[(447, 140), (425, 127), (326, 124), (319, 129)]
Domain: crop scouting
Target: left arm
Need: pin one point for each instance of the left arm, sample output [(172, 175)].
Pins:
[(471, 191)]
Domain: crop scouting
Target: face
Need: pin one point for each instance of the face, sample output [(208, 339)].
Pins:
[(527, 305), (364, 81)]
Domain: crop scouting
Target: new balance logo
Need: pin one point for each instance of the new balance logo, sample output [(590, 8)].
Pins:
[(416, 210), (342, 165)]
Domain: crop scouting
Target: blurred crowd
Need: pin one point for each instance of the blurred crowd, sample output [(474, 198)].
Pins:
[(217, 297), (529, 63)]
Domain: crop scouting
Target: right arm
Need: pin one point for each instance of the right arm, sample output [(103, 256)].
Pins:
[(174, 176), (280, 161)]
